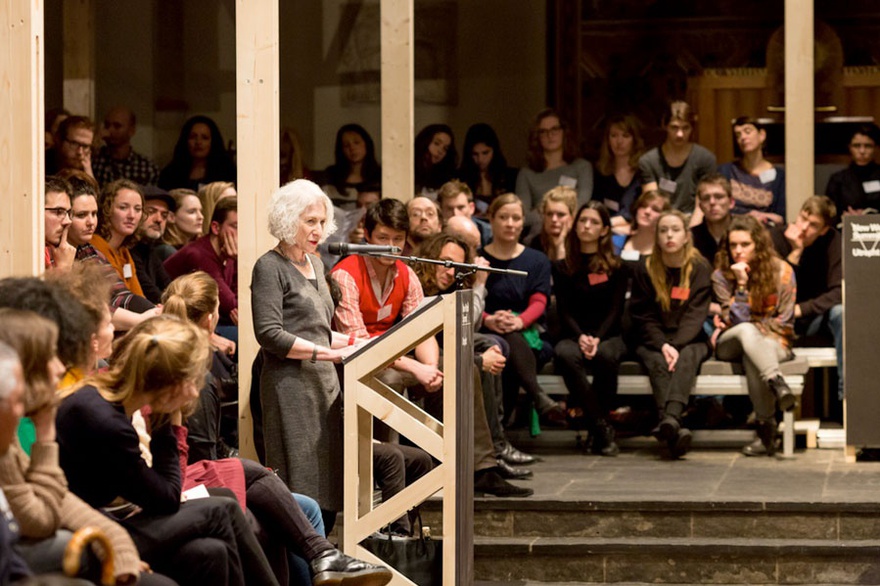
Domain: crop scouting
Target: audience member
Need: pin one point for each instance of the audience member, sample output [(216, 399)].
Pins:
[(515, 305), (424, 221), (186, 224), (292, 161), (675, 167), (856, 189), (209, 195), (117, 159), (199, 158), (158, 207), (715, 198), (590, 285), (215, 253), (119, 217), (557, 209), (758, 186), (58, 252), (553, 161), (73, 146), (484, 168), (435, 156), (756, 291), (618, 181), (396, 466), (354, 166), (811, 245), (670, 301), (456, 199), (646, 211)]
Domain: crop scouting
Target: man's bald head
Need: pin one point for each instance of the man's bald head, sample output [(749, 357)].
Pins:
[(119, 126), (465, 229)]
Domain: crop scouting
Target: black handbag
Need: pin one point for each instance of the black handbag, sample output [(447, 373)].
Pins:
[(418, 558)]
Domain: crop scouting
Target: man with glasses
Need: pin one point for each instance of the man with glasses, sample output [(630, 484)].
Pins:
[(158, 205), (424, 221), (59, 253), (73, 146)]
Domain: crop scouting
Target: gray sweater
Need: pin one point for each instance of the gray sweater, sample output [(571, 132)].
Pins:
[(654, 168)]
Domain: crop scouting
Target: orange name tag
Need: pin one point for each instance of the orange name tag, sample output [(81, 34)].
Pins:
[(596, 278), (771, 300), (681, 293)]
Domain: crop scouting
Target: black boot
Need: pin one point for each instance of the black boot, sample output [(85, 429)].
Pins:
[(784, 397), (602, 436), (765, 444), (334, 567)]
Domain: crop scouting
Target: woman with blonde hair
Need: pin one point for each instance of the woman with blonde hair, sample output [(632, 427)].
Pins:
[(209, 195), (756, 291), (675, 167), (557, 209), (160, 363), (670, 301)]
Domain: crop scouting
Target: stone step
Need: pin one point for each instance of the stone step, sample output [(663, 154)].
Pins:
[(677, 560)]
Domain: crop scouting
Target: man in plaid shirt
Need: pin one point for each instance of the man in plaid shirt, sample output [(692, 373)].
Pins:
[(117, 159)]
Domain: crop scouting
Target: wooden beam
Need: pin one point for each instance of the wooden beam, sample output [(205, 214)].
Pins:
[(258, 134), (396, 29), (79, 57), (800, 128), (21, 137)]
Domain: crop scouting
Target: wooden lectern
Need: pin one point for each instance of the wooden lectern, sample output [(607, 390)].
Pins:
[(450, 441)]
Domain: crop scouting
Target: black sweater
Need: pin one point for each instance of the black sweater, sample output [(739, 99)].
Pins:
[(683, 323), (819, 273), (100, 454), (589, 309)]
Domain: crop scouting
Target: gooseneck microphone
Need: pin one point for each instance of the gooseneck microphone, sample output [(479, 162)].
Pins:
[(343, 248)]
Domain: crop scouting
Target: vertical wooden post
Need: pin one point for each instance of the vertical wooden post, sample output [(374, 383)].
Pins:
[(398, 86), (21, 137), (799, 105), (79, 57), (258, 134)]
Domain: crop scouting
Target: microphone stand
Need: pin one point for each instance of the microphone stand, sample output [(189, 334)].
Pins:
[(462, 269)]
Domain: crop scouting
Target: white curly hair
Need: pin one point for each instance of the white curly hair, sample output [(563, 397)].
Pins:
[(288, 204)]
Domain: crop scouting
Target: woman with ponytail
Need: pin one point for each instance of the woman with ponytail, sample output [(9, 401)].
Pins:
[(670, 301)]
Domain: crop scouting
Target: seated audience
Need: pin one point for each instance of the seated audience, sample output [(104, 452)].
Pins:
[(557, 210), (811, 245), (553, 161), (642, 236), (756, 291), (209, 195), (117, 159), (185, 224), (671, 291), (73, 146), (435, 159), (354, 166), (715, 199), (856, 189), (456, 199), (590, 284), (675, 167), (515, 307), (618, 181), (484, 168), (215, 253), (158, 207), (119, 217), (424, 221), (200, 157), (758, 186)]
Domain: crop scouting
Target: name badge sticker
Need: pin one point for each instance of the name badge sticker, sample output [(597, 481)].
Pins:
[(768, 176), (667, 185), (597, 278), (566, 181), (631, 255), (612, 205), (384, 313), (871, 186), (126, 271), (680, 293)]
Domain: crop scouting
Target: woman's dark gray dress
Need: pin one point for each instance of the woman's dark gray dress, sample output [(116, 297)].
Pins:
[(302, 405)]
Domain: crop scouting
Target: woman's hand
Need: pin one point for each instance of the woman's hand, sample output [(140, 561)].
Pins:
[(493, 360), (671, 356), (590, 347), (741, 272)]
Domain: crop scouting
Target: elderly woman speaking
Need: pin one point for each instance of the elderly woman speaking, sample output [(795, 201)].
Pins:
[(292, 308)]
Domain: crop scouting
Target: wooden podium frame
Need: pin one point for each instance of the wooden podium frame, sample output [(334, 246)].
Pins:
[(450, 442)]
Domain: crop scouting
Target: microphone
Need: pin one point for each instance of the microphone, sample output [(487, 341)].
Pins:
[(343, 248)]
